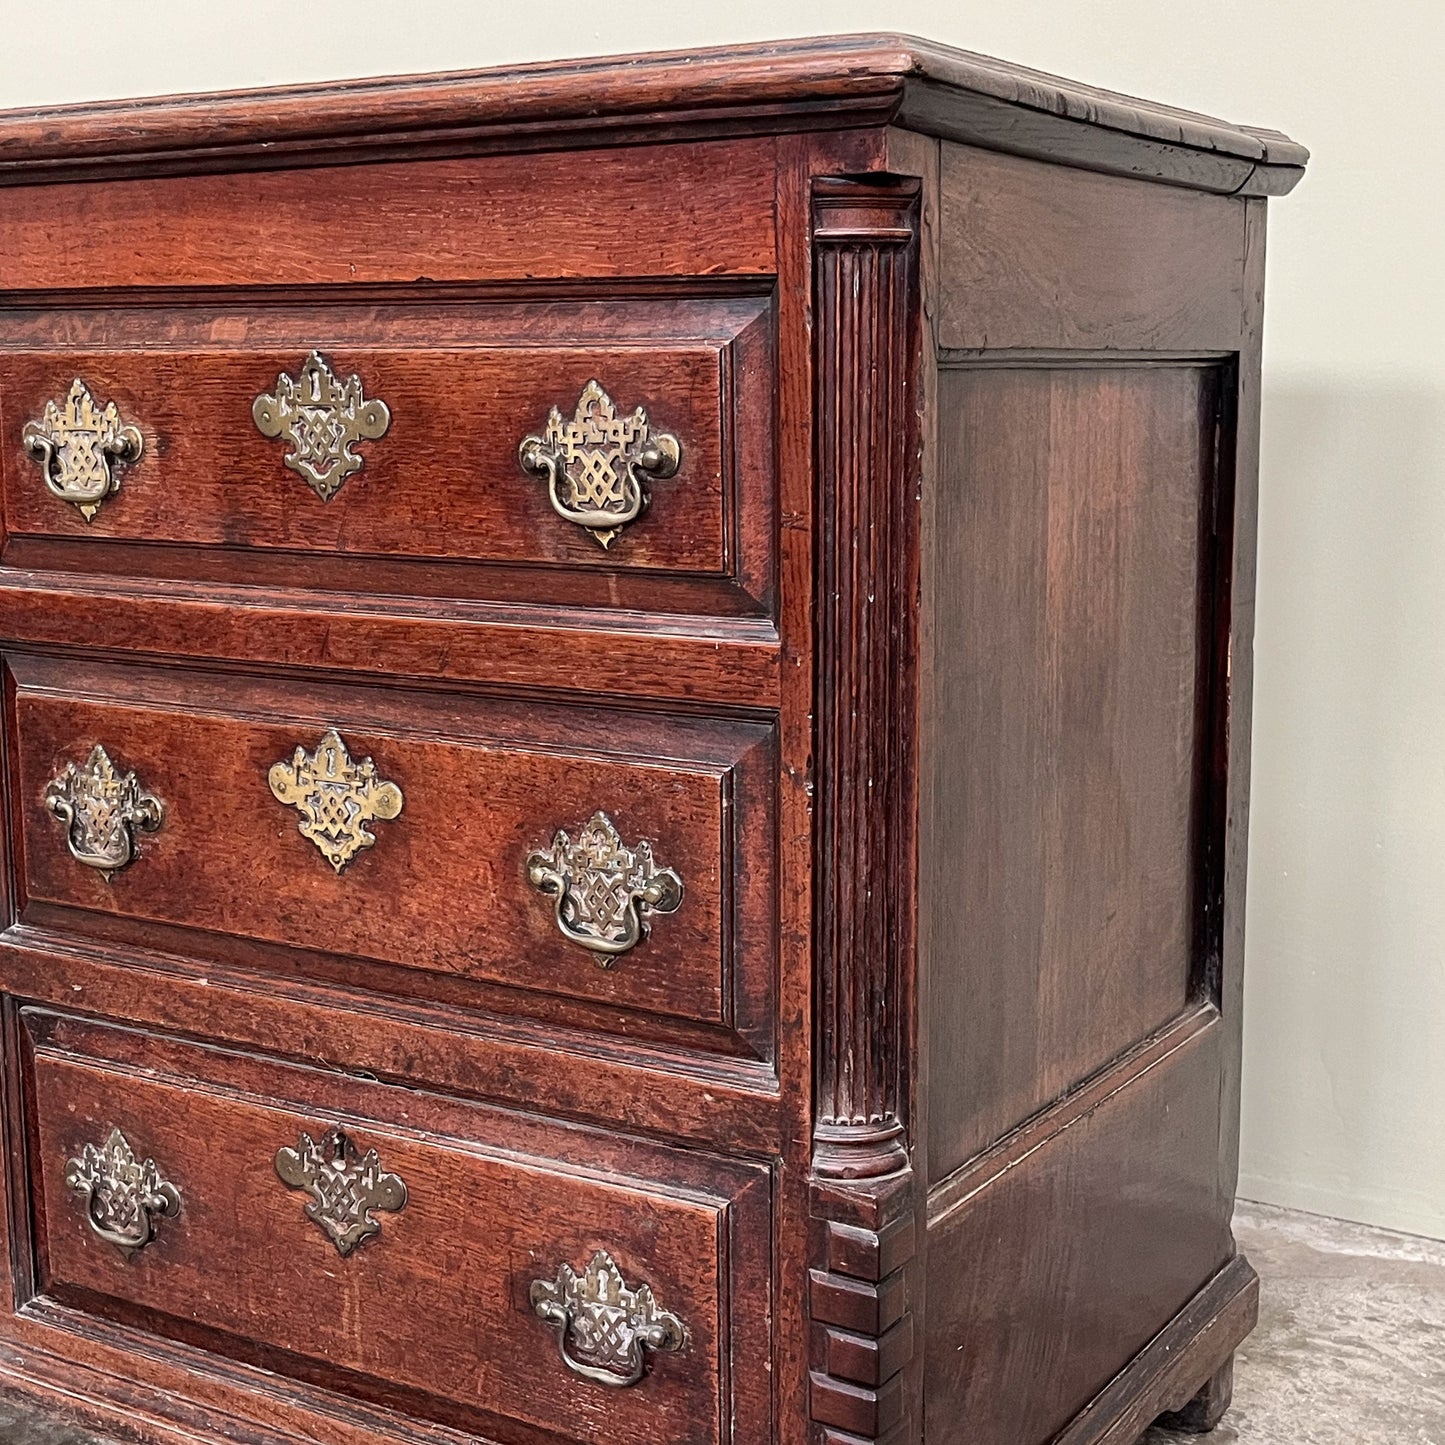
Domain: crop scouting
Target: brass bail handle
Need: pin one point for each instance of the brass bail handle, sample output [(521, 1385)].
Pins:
[(603, 1324), (596, 464), (78, 444), (102, 809), (604, 893), (124, 1195)]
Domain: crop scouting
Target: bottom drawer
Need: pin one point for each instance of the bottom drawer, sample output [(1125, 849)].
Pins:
[(463, 1264)]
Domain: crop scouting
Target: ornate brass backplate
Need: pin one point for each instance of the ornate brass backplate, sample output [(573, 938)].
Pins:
[(123, 1195), (336, 797), (78, 445), (595, 464), (102, 809), (603, 892), (323, 418), (603, 1324), (345, 1185)]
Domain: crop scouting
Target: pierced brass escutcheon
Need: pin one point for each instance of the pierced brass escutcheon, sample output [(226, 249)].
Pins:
[(123, 1195), (603, 1324), (78, 445), (595, 465), (603, 892), (336, 797), (102, 809), (346, 1187), (323, 418)]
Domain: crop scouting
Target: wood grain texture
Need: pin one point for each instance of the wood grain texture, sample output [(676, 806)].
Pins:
[(1214, 1321), (866, 301), (1075, 619), (803, 84), (1125, 1194), (464, 386), (482, 1219), (1142, 267), (684, 210), (504, 648), (677, 1088), (444, 890)]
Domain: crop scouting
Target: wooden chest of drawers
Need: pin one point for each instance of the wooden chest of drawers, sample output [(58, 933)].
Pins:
[(626, 747)]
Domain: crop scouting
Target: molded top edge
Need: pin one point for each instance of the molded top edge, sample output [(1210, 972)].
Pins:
[(783, 86)]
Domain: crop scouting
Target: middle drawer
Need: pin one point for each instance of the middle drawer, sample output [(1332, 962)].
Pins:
[(560, 860)]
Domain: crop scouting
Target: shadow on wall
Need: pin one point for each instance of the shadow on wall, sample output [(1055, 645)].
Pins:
[(1346, 966)]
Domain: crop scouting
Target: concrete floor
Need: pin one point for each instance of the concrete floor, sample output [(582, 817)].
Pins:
[(1350, 1348)]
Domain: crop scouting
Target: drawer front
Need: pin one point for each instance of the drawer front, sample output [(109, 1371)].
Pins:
[(548, 441), (457, 1263), (435, 844)]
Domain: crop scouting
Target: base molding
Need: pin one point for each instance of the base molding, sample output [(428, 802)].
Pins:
[(1177, 1366), (1183, 1373), (119, 1408), (1207, 1408)]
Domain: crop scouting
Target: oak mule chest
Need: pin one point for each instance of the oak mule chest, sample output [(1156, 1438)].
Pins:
[(626, 743)]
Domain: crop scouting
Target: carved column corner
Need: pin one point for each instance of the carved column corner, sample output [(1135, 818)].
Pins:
[(866, 311), (862, 1381)]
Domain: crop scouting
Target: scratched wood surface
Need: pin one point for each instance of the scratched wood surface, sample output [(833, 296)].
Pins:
[(928, 673), (464, 385)]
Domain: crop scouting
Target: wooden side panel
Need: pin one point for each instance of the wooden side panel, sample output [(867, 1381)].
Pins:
[(1071, 644), (1054, 1262), (1041, 256), (665, 210), (1243, 459)]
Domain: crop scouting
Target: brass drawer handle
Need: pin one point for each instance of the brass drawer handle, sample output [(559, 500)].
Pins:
[(336, 797), (123, 1195), (603, 1325), (595, 465), (345, 1185), (603, 892), (78, 445), (102, 809), (323, 418)]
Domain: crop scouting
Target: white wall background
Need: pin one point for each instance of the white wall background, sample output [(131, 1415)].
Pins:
[(1345, 1048)]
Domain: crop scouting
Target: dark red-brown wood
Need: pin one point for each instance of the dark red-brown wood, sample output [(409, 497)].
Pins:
[(928, 672), (436, 1303), (464, 384), (443, 894)]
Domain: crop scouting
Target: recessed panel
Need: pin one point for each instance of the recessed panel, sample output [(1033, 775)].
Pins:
[(1072, 613)]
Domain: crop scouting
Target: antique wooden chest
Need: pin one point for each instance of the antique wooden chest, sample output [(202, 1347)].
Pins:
[(626, 740)]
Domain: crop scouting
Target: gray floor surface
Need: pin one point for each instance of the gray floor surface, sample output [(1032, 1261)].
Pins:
[(1350, 1348)]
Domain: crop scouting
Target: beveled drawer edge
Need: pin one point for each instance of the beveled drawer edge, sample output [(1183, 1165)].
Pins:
[(733, 662), (290, 1073), (704, 1100), (274, 1394)]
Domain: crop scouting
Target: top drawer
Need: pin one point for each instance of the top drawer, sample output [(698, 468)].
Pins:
[(593, 452)]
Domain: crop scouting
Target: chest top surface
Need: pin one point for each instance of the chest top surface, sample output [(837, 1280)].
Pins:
[(821, 83)]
